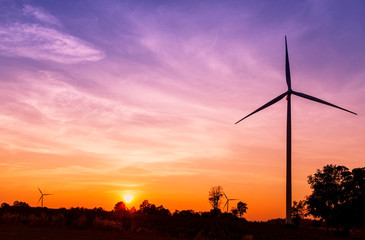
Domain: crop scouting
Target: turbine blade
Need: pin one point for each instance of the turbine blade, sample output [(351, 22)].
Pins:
[(320, 101), (265, 106), (40, 199), (225, 204), (287, 67), (225, 195), (40, 190), (233, 199), (47, 194)]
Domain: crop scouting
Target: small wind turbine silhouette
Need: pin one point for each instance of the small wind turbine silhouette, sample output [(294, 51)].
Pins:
[(288, 127), (227, 202), (42, 195)]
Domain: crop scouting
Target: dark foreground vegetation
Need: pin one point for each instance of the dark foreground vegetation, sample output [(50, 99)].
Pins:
[(335, 207), (20, 221)]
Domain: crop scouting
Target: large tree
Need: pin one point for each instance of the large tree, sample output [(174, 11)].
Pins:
[(327, 196), (354, 194), (147, 208), (241, 208), (338, 195), (215, 196), (120, 208)]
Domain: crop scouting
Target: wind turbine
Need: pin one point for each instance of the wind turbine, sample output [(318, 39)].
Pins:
[(227, 202), (42, 195), (288, 127)]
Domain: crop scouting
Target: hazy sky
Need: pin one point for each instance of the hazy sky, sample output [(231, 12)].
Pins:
[(101, 98)]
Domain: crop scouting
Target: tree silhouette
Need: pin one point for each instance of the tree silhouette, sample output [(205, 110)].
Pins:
[(241, 208), (358, 194), (5, 205), (327, 196), (162, 211), (133, 210), (338, 196), (20, 204), (235, 212), (120, 207), (215, 195), (298, 211), (147, 208), (353, 206)]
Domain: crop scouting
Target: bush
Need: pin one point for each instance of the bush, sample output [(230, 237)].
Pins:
[(58, 220), (102, 224), (81, 222), (33, 220), (44, 219)]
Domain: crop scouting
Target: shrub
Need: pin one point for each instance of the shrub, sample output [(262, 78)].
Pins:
[(102, 224), (58, 220), (44, 219), (81, 222), (33, 220)]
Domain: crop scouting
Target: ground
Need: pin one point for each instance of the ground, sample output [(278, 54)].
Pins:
[(250, 231)]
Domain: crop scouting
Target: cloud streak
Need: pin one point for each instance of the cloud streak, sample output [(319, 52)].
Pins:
[(41, 38), (44, 43), (40, 14)]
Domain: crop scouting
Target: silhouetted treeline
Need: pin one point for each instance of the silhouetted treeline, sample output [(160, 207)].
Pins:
[(186, 224), (22, 213), (148, 218)]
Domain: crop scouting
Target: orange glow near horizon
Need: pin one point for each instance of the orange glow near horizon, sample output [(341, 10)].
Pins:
[(263, 191)]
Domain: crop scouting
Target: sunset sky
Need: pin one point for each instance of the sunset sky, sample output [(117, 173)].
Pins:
[(105, 98)]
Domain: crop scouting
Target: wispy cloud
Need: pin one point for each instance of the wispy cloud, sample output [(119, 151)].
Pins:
[(44, 43), (57, 116), (35, 33), (40, 14)]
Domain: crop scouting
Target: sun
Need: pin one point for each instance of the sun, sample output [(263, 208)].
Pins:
[(128, 198)]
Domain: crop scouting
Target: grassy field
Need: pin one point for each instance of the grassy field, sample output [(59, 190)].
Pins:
[(246, 231), (21, 232)]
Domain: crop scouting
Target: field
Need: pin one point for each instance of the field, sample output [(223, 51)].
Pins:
[(18, 232), (176, 229)]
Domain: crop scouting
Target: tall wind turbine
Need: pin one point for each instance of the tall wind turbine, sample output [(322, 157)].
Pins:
[(227, 202), (42, 195), (288, 127)]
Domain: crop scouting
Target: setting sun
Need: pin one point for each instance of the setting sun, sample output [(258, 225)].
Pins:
[(128, 198)]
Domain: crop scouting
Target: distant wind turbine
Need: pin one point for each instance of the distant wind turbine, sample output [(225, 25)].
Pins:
[(42, 195), (288, 128), (227, 202)]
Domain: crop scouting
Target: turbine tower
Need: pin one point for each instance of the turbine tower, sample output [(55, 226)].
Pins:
[(288, 127), (42, 195), (227, 202)]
